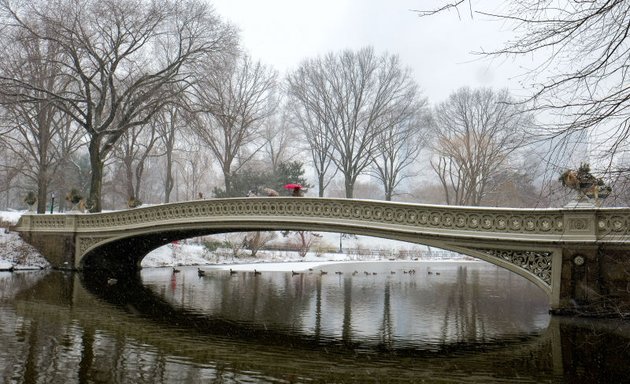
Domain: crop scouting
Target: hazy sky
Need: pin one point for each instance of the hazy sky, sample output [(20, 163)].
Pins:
[(438, 49)]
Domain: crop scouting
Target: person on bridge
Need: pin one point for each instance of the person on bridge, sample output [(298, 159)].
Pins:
[(298, 190), (266, 191)]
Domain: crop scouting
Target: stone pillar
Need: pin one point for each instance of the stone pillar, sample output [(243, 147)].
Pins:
[(615, 279), (579, 285), (580, 267), (57, 248), (52, 235), (595, 279)]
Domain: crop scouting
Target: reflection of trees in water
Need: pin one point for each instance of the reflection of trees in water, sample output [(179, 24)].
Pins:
[(386, 326), (318, 310), (87, 347), (469, 304), (346, 333), (462, 320), (296, 302), (246, 297), (255, 283), (84, 339), (12, 283)]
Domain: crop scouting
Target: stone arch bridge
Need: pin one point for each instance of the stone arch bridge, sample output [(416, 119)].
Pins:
[(579, 256)]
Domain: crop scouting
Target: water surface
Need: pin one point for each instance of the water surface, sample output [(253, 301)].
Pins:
[(463, 322)]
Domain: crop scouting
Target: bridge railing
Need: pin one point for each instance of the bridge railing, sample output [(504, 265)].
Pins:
[(609, 224)]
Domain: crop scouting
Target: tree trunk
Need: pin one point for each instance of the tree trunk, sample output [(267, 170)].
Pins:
[(388, 194), (320, 182), (43, 166), (139, 173), (94, 204), (349, 184), (129, 179), (227, 177), (304, 243), (255, 244), (42, 188), (168, 182)]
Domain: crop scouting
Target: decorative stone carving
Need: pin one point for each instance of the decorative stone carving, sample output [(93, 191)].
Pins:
[(579, 260), (87, 242), (614, 223), (578, 224), (536, 262), (48, 221)]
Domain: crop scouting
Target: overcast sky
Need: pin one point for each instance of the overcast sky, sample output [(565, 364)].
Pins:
[(438, 49)]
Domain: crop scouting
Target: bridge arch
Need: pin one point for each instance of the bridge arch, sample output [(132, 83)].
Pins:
[(148, 228), (130, 248)]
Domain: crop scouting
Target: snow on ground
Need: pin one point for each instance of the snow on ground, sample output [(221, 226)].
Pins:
[(183, 253), (195, 254), (16, 254), (11, 217)]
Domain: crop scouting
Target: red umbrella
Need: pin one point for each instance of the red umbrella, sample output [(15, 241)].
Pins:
[(293, 186)]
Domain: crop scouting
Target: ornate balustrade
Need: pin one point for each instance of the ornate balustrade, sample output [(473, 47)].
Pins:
[(411, 215), (613, 223), (542, 224)]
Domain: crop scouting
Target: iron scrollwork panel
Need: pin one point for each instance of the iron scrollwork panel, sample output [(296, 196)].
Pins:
[(536, 262)]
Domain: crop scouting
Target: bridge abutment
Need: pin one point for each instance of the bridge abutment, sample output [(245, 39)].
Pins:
[(595, 281), (58, 248)]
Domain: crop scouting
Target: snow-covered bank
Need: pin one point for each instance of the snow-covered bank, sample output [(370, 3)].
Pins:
[(182, 253), (15, 253), (301, 266), (279, 266)]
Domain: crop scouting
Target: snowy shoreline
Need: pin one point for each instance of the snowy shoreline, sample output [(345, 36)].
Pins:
[(301, 266)]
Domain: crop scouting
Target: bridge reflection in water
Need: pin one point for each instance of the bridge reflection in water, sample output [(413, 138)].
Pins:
[(366, 305), (274, 327)]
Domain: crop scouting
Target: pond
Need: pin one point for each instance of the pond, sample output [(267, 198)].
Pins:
[(359, 322)]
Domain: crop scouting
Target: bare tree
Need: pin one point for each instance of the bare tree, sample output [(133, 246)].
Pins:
[(475, 132), (622, 189), (399, 148), (513, 186), (313, 121), (170, 123), (353, 96), (304, 241), (193, 165), (233, 102), (10, 171), (255, 241), (120, 58), (37, 132), (135, 147), (583, 78), (41, 140), (280, 139)]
